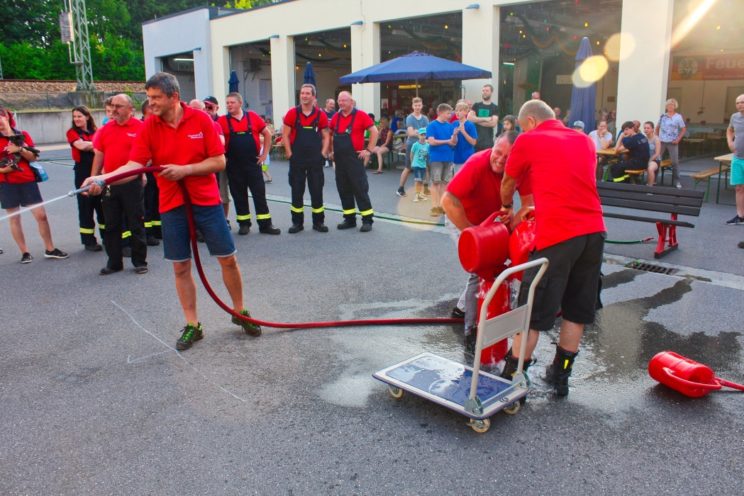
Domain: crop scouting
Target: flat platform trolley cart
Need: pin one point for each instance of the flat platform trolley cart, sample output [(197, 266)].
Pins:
[(469, 391)]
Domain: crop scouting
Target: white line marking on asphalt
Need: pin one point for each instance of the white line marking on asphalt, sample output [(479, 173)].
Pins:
[(131, 360), (170, 348)]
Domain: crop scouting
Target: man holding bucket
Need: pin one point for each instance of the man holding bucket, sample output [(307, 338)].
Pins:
[(471, 197), (560, 164)]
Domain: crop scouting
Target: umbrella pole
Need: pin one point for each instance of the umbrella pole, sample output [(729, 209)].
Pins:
[(416, 85)]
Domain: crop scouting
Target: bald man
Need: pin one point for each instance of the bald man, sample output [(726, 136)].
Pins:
[(350, 152), (569, 232), (122, 200)]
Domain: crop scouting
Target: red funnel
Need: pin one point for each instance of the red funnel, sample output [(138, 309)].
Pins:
[(686, 376)]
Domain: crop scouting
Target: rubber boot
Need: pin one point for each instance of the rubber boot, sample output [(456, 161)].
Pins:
[(558, 372), (510, 367)]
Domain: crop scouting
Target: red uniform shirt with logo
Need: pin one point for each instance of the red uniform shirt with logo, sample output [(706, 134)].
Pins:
[(25, 174), (115, 142), (561, 165), (241, 126), (73, 136), (290, 119), (193, 140), (362, 122), (478, 187)]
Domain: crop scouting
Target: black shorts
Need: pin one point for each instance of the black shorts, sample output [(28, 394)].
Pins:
[(570, 284), (19, 195)]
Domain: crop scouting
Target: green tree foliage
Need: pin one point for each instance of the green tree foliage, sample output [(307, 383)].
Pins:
[(30, 46)]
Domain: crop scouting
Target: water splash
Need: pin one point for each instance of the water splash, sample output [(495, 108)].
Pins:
[(28, 209)]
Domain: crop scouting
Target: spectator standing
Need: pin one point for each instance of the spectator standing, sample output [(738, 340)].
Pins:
[(349, 153), (635, 145), (184, 142), (384, 140), (414, 121), (735, 141), (485, 116), (212, 107), (242, 132), (654, 150), (330, 111), (306, 138), (80, 138), (671, 129), (122, 201), (18, 188), (467, 135), (442, 138), (264, 144), (509, 123), (153, 231), (569, 231), (418, 160)]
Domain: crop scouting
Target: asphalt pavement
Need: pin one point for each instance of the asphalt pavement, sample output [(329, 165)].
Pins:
[(95, 400)]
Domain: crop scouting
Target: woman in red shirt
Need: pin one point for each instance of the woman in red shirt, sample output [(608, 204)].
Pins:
[(80, 138), (18, 187)]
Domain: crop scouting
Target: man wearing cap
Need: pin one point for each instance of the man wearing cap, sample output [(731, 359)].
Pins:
[(578, 126), (242, 144), (349, 152), (306, 139)]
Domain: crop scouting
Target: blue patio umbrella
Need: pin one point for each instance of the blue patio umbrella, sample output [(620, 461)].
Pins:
[(233, 82), (416, 66), (309, 75), (583, 100)]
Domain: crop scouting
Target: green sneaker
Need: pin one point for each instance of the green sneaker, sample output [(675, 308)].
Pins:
[(189, 334), (249, 328)]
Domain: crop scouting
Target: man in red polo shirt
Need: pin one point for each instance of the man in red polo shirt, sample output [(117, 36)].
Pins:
[(242, 132), (569, 231), (350, 153), (122, 201), (472, 196), (184, 142), (306, 140)]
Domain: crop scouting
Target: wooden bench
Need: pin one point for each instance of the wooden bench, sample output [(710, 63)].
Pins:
[(664, 166), (705, 175), (662, 199)]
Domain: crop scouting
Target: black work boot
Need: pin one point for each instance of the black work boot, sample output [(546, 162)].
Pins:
[(510, 367), (558, 372)]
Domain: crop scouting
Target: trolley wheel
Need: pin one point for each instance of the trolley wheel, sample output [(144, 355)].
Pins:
[(513, 408), (480, 426), (395, 392)]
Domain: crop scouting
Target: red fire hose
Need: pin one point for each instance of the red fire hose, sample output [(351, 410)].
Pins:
[(265, 323)]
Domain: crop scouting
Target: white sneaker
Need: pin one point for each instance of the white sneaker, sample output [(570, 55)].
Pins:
[(416, 199), (679, 185)]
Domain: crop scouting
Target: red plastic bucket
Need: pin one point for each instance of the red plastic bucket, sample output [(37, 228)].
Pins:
[(522, 242), (483, 248), (685, 376)]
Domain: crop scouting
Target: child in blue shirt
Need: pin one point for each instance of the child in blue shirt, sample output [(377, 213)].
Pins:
[(442, 138), (468, 135), (419, 157)]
